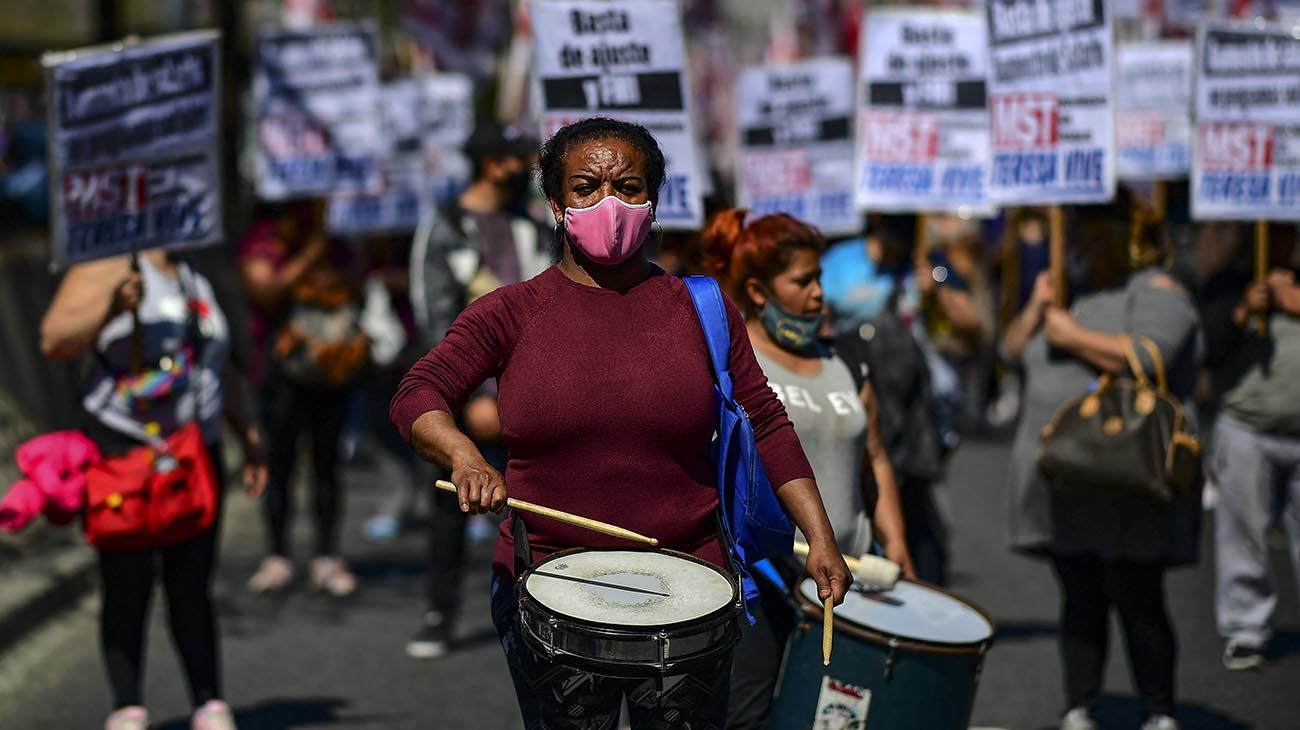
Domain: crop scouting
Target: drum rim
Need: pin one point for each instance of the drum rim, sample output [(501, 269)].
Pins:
[(903, 642), (727, 611)]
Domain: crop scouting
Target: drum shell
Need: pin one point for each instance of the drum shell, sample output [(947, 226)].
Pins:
[(914, 685), (629, 652)]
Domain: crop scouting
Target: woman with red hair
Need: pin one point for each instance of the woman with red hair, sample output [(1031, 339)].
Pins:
[(770, 266)]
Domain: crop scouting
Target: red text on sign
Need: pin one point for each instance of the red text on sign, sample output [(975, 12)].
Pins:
[(1025, 121), (95, 194), (1236, 146), (892, 137)]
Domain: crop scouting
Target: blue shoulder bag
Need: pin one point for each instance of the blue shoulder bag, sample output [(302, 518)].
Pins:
[(757, 526)]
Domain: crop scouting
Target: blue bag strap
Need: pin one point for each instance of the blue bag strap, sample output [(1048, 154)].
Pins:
[(712, 312)]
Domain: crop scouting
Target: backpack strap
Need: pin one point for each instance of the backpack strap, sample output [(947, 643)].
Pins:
[(712, 311)]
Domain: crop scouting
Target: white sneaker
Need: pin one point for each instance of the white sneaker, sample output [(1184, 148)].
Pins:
[(332, 576), (274, 574), (128, 718), (1079, 719), (1160, 722), (215, 715)]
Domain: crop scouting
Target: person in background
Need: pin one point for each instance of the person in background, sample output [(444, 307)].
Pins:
[(182, 332), (483, 241), (958, 309), (1107, 548), (308, 326), (769, 265), (1023, 256), (871, 291), (1253, 332), (386, 318), (607, 404)]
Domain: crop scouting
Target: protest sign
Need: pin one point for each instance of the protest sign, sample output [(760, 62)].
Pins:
[(397, 207), (623, 60), (318, 119), (923, 128), (447, 108), (1247, 161), (133, 147), (1050, 101), (1153, 103), (796, 143)]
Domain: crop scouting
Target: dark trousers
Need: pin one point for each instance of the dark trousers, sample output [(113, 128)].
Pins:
[(127, 580), (447, 546), (554, 697), (318, 410), (757, 659), (927, 537), (1089, 587)]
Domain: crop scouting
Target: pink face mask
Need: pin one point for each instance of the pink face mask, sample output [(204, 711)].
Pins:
[(610, 231)]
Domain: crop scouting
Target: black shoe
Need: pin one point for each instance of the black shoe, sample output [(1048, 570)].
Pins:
[(432, 641), (1237, 656)]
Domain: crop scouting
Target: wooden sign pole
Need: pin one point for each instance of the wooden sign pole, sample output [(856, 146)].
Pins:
[(1261, 267), (1056, 240)]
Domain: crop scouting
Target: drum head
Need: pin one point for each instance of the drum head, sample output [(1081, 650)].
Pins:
[(629, 588), (911, 611)]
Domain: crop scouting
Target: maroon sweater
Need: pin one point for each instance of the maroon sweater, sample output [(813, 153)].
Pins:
[(607, 408)]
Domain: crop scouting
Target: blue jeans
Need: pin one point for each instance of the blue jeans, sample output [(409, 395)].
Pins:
[(554, 697)]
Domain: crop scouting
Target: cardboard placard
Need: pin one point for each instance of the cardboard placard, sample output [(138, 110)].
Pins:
[(923, 130), (1247, 160), (133, 147), (796, 143), (1153, 104), (623, 60), (318, 118), (1050, 113)]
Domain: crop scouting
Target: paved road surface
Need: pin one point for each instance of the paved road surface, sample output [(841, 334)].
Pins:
[(305, 662)]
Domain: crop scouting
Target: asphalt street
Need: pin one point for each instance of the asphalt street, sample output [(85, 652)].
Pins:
[(306, 661)]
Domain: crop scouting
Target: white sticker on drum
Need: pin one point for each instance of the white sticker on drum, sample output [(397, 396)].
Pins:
[(841, 706)]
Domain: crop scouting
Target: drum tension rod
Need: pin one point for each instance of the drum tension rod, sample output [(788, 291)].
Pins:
[(889, 660)]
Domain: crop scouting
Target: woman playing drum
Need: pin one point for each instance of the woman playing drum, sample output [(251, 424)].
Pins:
[(607, 409), (770, 265)]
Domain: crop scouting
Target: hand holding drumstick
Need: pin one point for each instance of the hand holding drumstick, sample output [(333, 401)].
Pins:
[(571, 519)]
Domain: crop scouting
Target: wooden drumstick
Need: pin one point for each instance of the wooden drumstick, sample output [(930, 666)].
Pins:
[(867, 569), (569, 519), (828, 630)]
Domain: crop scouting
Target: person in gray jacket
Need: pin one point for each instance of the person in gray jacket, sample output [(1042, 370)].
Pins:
[(1253, 328), (482, 241), (1106, 548)]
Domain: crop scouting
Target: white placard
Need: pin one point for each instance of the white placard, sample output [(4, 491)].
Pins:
[(447, 105), (404, 195), (1153, 106), (623, 60), (796, 143), (923, 135), (1247, 161), (318, 117), (426, 120), (1050, 113), (133, 147)]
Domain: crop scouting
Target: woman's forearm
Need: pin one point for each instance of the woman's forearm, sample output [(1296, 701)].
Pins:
[(1021, 329), (81, 307), (887, 520), (959, 308), (803, 503), (435, 438), (1102, 350)]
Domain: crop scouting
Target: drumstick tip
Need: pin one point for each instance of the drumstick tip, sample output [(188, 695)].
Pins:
[(828, 629)]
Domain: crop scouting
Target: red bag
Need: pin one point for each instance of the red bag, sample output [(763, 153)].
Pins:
[(148, 498)]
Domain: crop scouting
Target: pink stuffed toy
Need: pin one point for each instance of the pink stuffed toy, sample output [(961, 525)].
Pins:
[(55, 466)]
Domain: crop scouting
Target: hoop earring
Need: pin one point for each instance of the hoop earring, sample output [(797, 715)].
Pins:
[(659, 239)]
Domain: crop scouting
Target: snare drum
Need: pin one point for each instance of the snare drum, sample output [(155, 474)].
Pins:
[(623, 613), (904, 659)]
